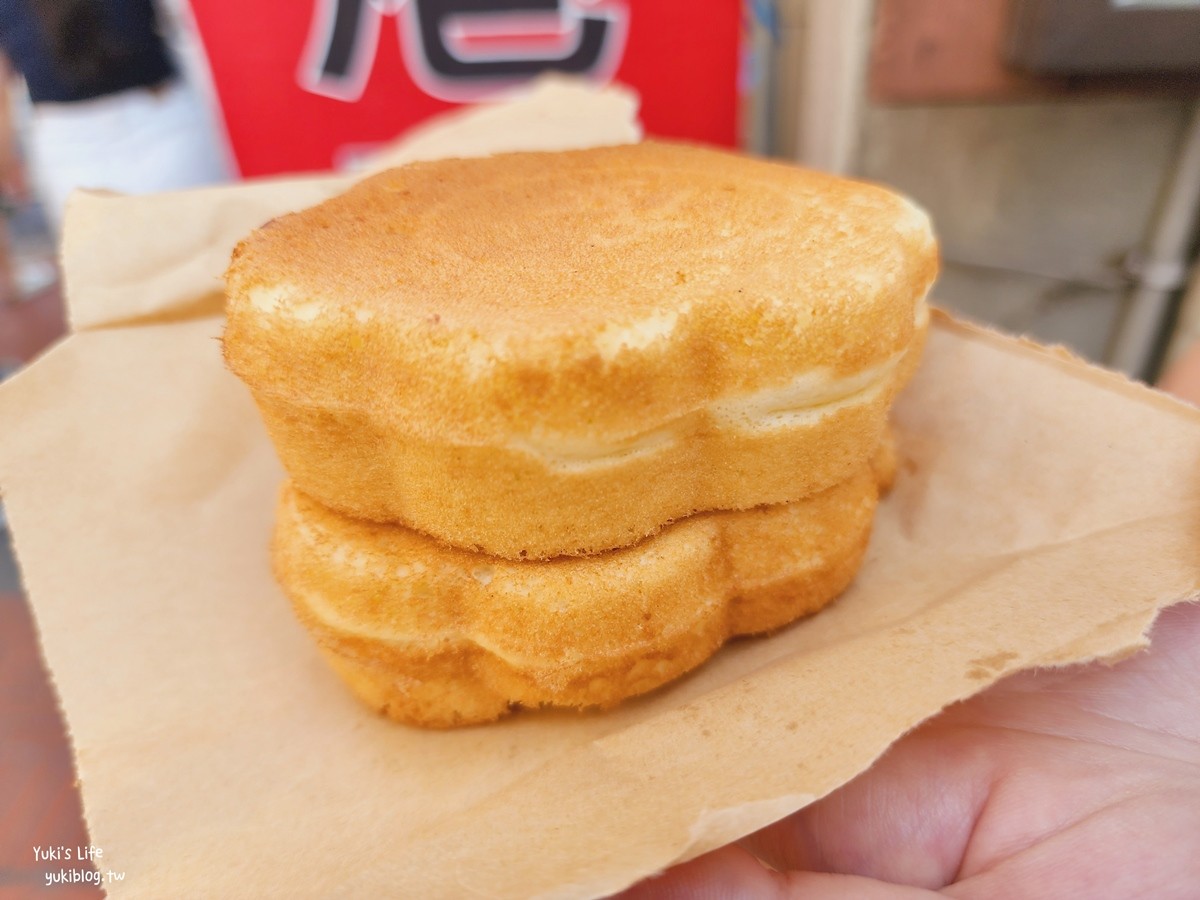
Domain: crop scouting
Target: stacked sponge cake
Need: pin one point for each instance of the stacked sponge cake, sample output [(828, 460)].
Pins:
[(558, 425)]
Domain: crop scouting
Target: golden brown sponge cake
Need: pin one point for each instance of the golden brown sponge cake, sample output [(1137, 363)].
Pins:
[(539, 354), (437, 636)]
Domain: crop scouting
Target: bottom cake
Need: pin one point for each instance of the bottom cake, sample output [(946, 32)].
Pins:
[(439, 637)]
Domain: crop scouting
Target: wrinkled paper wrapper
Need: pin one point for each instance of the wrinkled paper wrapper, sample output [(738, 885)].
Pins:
[(1045, 511)]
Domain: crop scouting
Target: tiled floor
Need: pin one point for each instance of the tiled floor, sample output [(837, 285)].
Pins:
[(39, 803), (30, 325)]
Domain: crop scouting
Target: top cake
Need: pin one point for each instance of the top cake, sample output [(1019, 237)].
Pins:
[(544, 354)]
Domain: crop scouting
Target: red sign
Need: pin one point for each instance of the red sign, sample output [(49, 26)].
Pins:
[(308, 84)]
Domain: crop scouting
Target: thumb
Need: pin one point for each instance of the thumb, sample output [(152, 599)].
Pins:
[(822, 886), (729, 873), (732, 873)]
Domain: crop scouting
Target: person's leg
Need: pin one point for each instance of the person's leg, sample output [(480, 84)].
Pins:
[(172, 142), (135, 142)]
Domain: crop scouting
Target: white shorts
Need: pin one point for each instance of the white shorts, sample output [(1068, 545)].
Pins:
[(134, 142)]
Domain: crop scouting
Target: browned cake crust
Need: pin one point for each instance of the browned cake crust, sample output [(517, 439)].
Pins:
[(440, 637), (545, 354)]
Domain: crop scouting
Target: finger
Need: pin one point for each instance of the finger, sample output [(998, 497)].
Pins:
[(1144, 846), (824, 886), (731, 873), (906, 820)]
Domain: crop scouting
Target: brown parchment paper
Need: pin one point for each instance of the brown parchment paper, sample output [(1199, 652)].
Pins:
[(1044, 512)]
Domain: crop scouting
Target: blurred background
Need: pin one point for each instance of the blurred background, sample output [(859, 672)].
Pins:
[(1055, 142)]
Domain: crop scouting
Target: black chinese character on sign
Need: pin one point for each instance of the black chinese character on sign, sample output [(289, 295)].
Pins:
[(463, 49)]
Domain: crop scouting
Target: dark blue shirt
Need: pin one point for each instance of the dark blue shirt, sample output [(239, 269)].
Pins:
[(144, 60)]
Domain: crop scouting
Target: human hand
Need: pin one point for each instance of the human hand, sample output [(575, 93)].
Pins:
[(1082, 782)]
